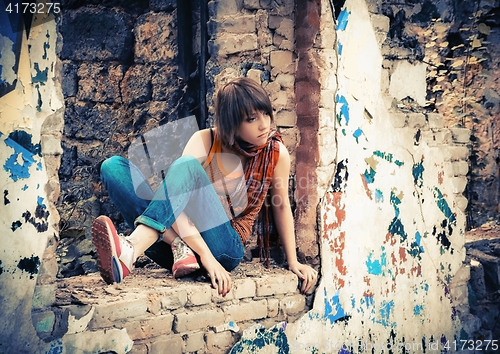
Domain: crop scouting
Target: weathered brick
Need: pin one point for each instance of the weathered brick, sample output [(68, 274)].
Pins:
[(460, 168), (286, 29), (244, 288), (227, 44), (173, 299), (398, 119), (285, 118), (245, 311), (292, 305), (199, 294), (155, 38), (461, 135), (458, 184), (435, 120), (459, 152), (136, 84), (150, 327), (219, 342), (281, 59), (417, 120), (107, 313), (217, 298), (197, 319), (106, 89), (194, 342), (234, 24), (283, 284), (171, 344), (272, 307)]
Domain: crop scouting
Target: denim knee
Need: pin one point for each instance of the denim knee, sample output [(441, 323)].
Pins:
[(109, 166)]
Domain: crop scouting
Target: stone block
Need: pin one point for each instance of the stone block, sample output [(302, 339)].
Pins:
[(107, 313), (245, 311), (458, 184), (294, 304), (219, 342), (286, 81), (154, 38), (197, 319), (199, 294), (273, 306), (255, 75), (161, 91), (173, 299), (282, 60), (244, 288), (194, 342), (285, 118), (460, 168), (286, 29), (283, 284), (398, 119), (166, 343), (228, 44), (416, 120), (107, 35), (461, 202), (136, 85), (459, 153), (149, 327), (251, 4), (461, 135), (233, 24), (217, 298), (106, 88), (435, 120)]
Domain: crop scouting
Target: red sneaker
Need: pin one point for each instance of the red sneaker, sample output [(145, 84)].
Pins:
[(185, 261), (114, 253)]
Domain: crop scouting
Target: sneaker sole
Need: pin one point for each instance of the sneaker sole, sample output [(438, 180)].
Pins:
[(102, 237), (185, 270)]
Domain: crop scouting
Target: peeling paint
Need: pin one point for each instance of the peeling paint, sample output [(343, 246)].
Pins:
[(342, 20), (443, 205), (333, 309), (344, 109)]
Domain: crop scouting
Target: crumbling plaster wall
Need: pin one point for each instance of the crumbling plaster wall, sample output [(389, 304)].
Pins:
[(30, 134)]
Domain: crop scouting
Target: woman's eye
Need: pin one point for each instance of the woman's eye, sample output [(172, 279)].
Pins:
[(251, 119)]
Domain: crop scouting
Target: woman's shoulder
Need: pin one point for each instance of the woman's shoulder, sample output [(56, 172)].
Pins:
[(199, 144)]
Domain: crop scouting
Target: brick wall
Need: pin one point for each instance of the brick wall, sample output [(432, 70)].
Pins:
[(151, 311)]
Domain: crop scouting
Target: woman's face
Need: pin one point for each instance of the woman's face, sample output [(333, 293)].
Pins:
[(255, 128)]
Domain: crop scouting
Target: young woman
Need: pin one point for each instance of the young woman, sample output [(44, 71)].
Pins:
[(207, 203)]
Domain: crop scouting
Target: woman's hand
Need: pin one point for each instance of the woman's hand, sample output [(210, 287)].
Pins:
[(220, 277), (308, 276)]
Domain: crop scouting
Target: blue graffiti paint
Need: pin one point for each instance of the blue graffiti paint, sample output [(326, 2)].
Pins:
[(260, 338), (385, 311), (357, 133), (40, 202), (344, 109), (25, 187), (443, 205), (333, 308), (41, 76), (417, 310), (375, 266), (417, 172), (397, 228), (379, 196), (388, 157), (395, 202), (369, 176), (415, 248), (19, 162), (340, 46), (342, 20), (16, 225)]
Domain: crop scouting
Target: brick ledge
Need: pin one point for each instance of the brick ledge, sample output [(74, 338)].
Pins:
[(187, 315)]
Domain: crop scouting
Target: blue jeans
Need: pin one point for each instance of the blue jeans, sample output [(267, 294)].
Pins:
[(187, 188)]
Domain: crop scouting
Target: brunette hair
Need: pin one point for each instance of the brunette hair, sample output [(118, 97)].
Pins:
[(235, 101)]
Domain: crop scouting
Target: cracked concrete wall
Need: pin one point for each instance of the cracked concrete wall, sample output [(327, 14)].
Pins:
[(30, 132)]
